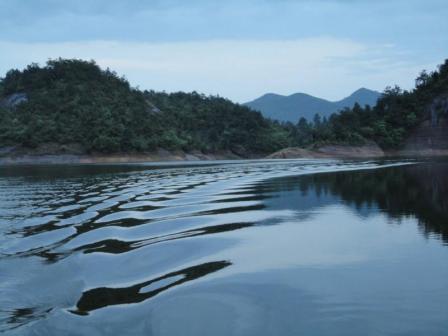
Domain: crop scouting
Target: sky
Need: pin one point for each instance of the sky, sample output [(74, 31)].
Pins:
[(239, 49)]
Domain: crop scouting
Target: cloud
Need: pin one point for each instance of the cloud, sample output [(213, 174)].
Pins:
[(240, 70), (413, 22), (237, 48)]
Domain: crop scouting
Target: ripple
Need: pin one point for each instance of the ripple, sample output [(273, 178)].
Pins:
[(111, 222), (102, 297)]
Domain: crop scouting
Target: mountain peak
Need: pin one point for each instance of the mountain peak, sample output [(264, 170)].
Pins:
[(293, 107), (363, 89), (361, 96)]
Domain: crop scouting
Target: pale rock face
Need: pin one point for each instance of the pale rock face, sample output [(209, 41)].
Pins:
[(431, 136), (14, 100), (369, 149), (438, 107)]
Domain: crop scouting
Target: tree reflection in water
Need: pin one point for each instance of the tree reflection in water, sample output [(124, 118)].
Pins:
[(419, 190)]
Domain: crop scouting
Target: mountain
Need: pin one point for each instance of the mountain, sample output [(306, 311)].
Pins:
[(409, 121), (361, 96), (292, 108), (75, 104)]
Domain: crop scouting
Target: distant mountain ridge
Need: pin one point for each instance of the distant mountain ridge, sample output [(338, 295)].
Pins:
[(292, 108)]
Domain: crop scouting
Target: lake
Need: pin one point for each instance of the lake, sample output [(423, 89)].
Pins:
[(299, 247)]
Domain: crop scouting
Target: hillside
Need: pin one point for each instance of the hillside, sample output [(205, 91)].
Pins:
[(412, 121), (74, 107), (81, 108), (292, 108)]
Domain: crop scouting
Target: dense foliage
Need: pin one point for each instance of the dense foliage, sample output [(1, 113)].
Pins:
[(388, 123), (196, 121), (74, 101), (422, 192)]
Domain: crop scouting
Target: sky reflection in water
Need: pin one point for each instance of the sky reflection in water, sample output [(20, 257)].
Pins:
[(234, 249)]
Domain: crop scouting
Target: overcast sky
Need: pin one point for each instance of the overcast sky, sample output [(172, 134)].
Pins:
[(238, 49)]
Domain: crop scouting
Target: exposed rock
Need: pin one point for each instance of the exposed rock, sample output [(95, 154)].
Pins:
[(293, 153), (370, 149), (152, 108), (73, 153), (431, 136), (438, 108), (7, 150), (14, 100)]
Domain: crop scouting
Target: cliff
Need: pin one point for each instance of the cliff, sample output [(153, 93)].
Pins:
[(431, 136)]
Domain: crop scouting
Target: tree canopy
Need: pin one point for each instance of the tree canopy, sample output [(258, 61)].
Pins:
[(71, 101), (388, 123), (74, 101)]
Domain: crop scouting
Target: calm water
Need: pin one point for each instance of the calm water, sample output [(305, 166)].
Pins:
[(262, 248)]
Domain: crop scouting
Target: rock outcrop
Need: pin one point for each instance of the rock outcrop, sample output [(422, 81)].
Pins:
[(370, 149), (74, 154), (431, 136), (13, 100)]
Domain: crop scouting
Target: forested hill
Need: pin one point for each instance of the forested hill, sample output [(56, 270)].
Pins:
[(390, 122), (76, 102)]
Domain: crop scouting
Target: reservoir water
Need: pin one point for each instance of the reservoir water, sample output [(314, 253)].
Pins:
[(301, 247)]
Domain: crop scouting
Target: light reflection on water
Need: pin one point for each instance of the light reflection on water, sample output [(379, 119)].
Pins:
[(256, 248)]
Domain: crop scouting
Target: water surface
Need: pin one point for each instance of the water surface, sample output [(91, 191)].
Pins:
[(310, 247)]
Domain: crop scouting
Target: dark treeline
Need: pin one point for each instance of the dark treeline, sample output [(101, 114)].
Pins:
[(76, 102), (415, 190), (388, 123)]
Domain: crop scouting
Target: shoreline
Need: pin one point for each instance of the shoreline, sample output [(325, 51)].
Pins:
[(367, 151), (97, 158), (64, 159)]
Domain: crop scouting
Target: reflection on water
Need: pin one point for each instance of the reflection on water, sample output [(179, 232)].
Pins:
[(103, 297), (417, 190), (313, 247)]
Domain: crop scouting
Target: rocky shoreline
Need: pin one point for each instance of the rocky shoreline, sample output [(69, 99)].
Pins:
[(369, 150), (31, 157)]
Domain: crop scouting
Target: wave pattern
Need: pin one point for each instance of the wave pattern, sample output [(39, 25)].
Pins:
[(85, 242)]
